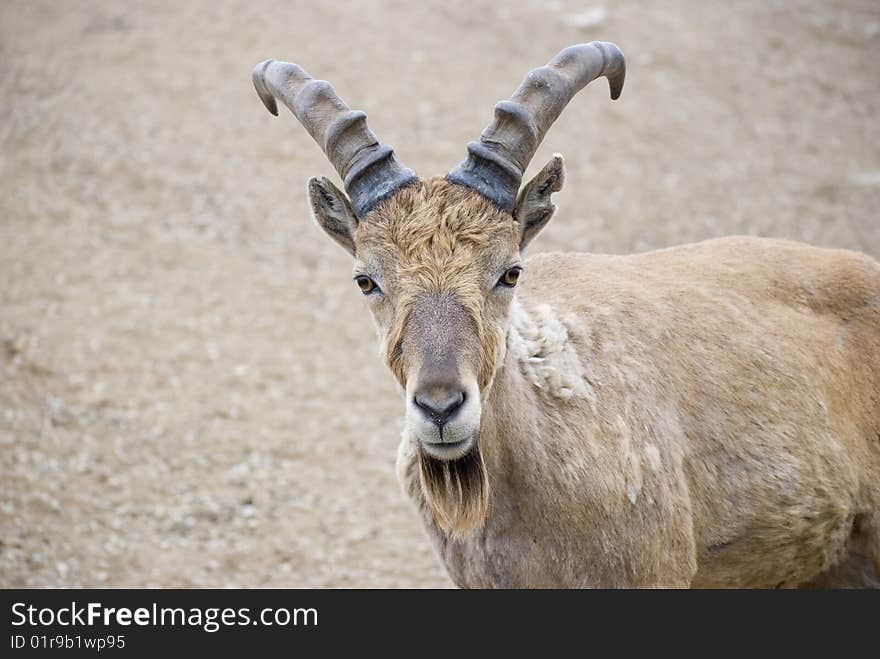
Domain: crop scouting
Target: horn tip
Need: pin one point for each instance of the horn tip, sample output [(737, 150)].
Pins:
[(615, 82), (260, 85), (614, 64)]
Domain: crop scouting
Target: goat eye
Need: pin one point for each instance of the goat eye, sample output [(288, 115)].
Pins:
[(366, 284), (510, 277)]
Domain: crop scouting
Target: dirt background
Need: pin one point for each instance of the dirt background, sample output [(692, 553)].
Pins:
[(190, 392)]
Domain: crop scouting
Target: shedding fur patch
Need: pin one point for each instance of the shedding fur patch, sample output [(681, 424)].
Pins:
[(652, 453), (630, 461), (546, 356)]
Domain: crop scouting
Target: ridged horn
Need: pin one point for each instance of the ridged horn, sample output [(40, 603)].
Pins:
[(369, 170), (495, 165)]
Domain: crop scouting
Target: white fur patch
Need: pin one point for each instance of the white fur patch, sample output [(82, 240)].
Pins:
[(546, 356), (653, 455), (631, 462)]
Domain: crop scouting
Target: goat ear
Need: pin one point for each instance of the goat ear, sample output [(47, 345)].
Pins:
[(533, 205), (332, 211)]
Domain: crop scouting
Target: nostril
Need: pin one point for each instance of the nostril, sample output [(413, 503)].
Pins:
[(439, 407)]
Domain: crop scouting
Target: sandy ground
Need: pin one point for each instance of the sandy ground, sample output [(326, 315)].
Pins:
[(190, 392)]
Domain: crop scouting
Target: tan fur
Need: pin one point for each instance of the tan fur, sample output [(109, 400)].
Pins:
[(706, 415)]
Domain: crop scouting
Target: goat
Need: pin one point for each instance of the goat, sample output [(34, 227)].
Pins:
[(701, 416)]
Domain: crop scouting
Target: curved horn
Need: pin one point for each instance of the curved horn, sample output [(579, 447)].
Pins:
[(495, 165), (370, 170)]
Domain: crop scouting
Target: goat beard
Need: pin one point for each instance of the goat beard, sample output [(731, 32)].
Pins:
[(456, 491)]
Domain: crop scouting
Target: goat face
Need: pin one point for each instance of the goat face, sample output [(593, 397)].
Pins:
[(439, 258), (438, 264)]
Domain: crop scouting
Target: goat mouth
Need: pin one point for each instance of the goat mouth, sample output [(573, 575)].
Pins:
[(447, 450)]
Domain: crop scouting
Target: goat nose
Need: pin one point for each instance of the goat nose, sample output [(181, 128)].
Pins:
[(439, 404)]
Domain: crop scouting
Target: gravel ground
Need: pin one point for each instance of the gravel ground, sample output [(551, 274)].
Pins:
[(190, 392)]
